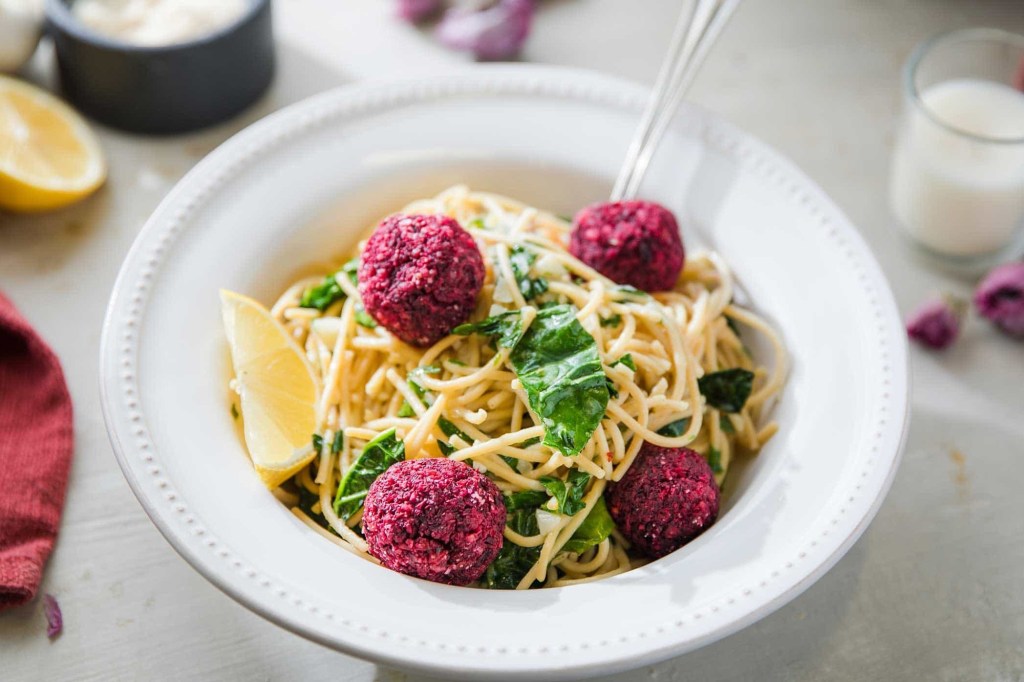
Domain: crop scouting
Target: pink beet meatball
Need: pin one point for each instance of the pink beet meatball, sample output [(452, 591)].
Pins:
[(436, 519), (630, 242), (420, 276), (667, 498)]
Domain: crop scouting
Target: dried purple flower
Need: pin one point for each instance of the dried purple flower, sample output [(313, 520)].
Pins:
[(1000, 298), (936, 324), (493, 33), (54, 619), (418, 10)]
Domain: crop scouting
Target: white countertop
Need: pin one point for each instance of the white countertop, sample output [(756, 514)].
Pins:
[(932, 591)]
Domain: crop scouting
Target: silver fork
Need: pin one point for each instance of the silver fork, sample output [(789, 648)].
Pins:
[(700, 23)]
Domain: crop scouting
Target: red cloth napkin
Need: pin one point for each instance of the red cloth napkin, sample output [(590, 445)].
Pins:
[(35, 455)]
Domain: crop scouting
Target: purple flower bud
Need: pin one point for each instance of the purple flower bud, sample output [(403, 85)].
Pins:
[(936, 324), (418, 10), (1000, 298), (494, 33), (54, 619)]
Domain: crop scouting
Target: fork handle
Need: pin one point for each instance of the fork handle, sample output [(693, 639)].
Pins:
[(698, 27)]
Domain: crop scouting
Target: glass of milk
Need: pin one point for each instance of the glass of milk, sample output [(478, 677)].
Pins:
[(957, 180)]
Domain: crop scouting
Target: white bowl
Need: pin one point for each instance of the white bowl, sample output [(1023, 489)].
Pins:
[(300, 186)]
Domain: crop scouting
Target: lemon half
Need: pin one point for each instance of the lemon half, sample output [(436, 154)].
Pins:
[(276, 386), (49, 157)]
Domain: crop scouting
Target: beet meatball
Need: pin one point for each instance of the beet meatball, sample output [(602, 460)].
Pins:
[(436, 519), (630, 242), (667, 498), (420, 276)]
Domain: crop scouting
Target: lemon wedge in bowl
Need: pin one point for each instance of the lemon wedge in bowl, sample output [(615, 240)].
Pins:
[(276, 386), (49, 158)]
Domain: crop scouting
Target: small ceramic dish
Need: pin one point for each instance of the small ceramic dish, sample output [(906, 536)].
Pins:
[(163, 89), (304, 185)]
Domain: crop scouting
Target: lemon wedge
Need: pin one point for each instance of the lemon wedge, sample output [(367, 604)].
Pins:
[(276, 386), (49, 157)]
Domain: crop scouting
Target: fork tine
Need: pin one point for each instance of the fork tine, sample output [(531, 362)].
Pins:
[(661, 90), (701, 15)]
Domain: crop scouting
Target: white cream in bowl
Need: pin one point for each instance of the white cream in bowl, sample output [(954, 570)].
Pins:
[(155, 23)]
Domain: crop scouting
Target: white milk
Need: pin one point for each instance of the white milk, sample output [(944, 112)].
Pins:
[(953, 193)]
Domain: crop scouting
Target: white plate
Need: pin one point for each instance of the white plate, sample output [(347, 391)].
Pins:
[(300, 186)]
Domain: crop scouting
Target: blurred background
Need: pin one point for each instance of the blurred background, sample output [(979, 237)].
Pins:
[(932, 591)]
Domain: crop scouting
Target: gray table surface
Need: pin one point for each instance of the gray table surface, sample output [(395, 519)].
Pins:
[(934, 589)]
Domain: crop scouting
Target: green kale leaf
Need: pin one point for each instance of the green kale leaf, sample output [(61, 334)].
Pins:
[(568, 493), (379, 454), (514, 562), (364, 319), (676, 428), (715, 460), (329, 291), (727, 390), (521, 260), (559, 367), (626, 360), (593, 530), (507, 328), (525, 499)]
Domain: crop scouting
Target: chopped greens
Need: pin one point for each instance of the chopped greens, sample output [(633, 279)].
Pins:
[(329, 291), (593, 531), (339, 441), (446, 448), (525, 499), (379, 454), (318, 443), (521, 260), (507, 328), (631, 291), (476, 223), (727, 390), (559, 367), (405, 410), (612, 390), (351, 270), (322, 295), (676, 428), (426, 369), (529, 442), (626, 360), (307, 501), (417, 389), (715, 460), (568, 493), (733, 325), (514, 562), (725, 424), (449, 429), (611, 321), (364, 319)]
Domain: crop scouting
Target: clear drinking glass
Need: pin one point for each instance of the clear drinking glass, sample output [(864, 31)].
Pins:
[(957, 176)]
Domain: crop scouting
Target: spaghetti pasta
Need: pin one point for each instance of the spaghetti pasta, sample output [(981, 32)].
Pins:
[(461, 397)]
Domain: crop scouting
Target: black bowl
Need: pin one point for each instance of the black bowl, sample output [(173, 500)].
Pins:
[(166, 89)]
